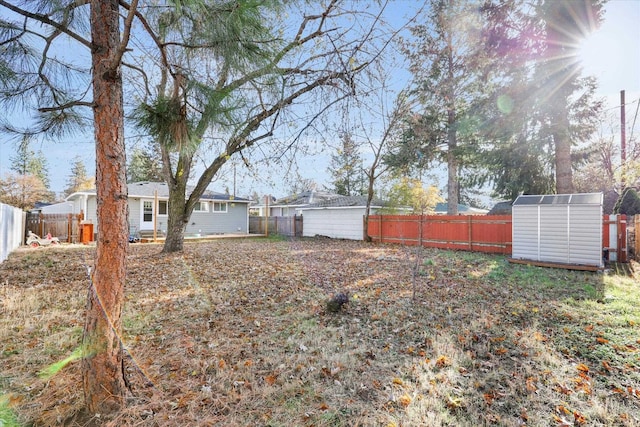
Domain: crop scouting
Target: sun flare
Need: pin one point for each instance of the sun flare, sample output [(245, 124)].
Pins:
[(610, 53)]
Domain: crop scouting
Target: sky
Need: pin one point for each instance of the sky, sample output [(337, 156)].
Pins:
[(612, 55)]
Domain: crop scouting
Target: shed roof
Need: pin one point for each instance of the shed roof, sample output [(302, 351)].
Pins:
[(560, 199)]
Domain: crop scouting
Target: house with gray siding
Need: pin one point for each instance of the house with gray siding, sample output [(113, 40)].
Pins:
[(215, 213)]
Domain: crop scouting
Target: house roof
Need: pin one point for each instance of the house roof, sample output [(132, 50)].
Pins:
[(148, 189), (305, 198), (345, 201), (441, 208), (501, 208)]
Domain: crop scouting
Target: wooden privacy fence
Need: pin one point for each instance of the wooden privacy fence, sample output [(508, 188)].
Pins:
[(478, 233), (66, 227), (283, 225)]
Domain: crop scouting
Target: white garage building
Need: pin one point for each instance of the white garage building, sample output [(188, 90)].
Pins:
[(339, 218)]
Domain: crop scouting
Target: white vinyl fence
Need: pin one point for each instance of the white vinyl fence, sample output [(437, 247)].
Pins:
[(11, 229)]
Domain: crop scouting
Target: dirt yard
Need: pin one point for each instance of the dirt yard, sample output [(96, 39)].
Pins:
[(237, 333)]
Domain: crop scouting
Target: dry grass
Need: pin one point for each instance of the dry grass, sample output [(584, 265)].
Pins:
[(235, 333)]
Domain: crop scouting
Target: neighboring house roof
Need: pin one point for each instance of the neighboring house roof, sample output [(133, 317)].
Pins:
[(305, 198), (148, 189), (345, 201), (501, 208), (441, 208)]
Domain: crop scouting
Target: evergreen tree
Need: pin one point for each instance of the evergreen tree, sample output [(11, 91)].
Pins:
[(78, 180), (35, 58), (145, 164), (29, 162), (558, 75), (628, 203), (538, 105), (450, 68), (346, 168)]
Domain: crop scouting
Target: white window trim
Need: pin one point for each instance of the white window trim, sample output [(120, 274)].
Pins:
[(201, 204), (225, 204)]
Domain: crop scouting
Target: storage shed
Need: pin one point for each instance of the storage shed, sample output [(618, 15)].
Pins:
[(561, 229)]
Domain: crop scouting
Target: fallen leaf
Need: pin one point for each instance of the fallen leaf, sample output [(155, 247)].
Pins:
[(561, 388), (488, 398), (579, 418), (405, 400), (454, 402), (443, 361)]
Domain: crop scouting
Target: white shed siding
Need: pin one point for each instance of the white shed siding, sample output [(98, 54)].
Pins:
[(525, 236), (585, 245), (337, 223), (563, 229), (554, 234)]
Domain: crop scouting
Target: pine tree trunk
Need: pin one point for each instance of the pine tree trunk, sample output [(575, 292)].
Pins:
[(102, 372), (452, 135), (452, 166), (564, 173)]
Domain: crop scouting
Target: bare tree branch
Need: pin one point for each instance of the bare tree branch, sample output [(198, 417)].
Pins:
[(126, 34)]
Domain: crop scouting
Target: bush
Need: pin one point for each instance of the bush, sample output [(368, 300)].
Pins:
[(628, 203)]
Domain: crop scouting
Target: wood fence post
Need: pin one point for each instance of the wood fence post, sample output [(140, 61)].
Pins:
[(79, 226), (41, 223), (621, 226), (69, 227), (380, 227), (470, 234), (636, 231)]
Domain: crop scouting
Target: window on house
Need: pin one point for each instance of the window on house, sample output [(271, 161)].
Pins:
[(201, 207), (147, 211), (219, 207), (163, 207)]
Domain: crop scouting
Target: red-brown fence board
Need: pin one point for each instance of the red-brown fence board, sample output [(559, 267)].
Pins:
[(618, 242), (478, 233), (468, 232)]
